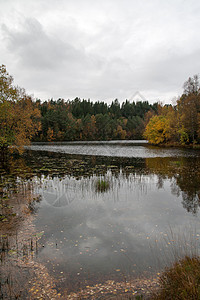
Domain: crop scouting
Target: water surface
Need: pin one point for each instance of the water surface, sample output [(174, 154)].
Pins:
[(123, 230), (114, 149)]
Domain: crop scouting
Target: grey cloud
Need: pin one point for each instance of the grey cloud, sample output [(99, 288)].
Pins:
[(52, 63), (100, 49), (37, 49), (170, 72)]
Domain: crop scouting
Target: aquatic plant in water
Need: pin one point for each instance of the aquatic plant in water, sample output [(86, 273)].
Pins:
[(102, 185)]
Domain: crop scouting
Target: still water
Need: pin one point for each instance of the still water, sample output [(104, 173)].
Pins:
[(114, 210)]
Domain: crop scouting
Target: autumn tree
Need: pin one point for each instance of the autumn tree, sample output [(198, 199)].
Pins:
[(188, 107), (19, 116), (158, 130), (179, 123), (120, 133)]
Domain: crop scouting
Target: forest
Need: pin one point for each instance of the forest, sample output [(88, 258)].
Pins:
[(23, 119), (84, 120)]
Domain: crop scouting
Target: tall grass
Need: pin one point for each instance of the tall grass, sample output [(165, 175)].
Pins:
[(181, 278), (180, 281)]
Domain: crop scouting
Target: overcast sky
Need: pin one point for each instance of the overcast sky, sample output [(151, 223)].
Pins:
[(100, 49)]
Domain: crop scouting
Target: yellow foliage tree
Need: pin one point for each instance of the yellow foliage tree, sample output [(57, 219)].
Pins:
[(158, 130), (19, 116)]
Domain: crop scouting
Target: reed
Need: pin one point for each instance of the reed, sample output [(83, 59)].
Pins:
[(102, 185)]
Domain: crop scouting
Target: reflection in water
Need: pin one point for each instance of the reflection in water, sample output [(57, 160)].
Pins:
[(108, 217), (183, 172), (18, 204), (184, 175), (120, 232)]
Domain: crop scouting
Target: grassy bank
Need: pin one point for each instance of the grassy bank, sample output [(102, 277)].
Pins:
[(180, 281)]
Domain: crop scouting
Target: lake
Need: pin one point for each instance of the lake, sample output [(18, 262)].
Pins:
[(112, 210)]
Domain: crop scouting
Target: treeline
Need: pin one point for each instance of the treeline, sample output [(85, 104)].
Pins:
[(178, 124), (84, 120), (23, 120)]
